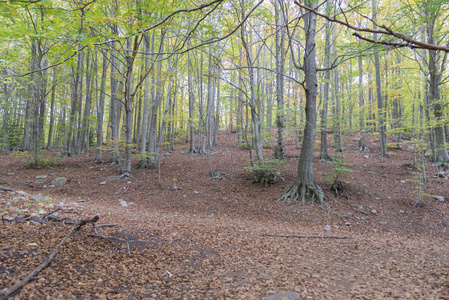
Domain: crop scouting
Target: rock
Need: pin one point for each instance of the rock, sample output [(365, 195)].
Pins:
[(383, 223), (17, 199), (40, 177), (59, 181), (328, 228), (39, 182), (103, 183), (51, 186), (410, 148), (347, 224), (374, 211), (403, 181), (366, 156), (401, 211), (38, 197), (8, 203), (441, 175), (22, 193), (11, 174), (439, 198), (196, 192), (284, 296), (123, 203)]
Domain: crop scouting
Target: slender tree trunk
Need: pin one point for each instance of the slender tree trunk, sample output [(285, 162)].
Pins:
[(52, 111), (336, 95), (362, 141), (100, 109), (380, 104), (304, 185), (279, 150), (190, 91), (253, 103), (327, 48)]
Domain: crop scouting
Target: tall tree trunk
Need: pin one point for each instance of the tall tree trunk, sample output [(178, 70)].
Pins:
[(100, 109), (436, 66), (52, 110), (190, 91), (254, 106), (362, 141), (327, 48), (279, 150), (146, 97), (158, 83), (304, 185), (133, 47), (380, 104), (336, 95)]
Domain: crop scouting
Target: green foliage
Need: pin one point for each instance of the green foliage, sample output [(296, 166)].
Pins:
[(267, 173), (338, 167), (46, 160)]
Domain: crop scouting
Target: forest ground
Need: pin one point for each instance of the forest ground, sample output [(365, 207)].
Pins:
[(192, 237)]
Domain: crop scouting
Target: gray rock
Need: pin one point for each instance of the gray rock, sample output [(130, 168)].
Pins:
[(11, 174), (103, 183), (38, 197), (439, 198), (16, 199), (284, 296), (22, 193), (59, 181), (40, 177), (123, 203), (328, 228)]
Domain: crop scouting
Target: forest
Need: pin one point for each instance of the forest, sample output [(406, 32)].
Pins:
[(222, 149)]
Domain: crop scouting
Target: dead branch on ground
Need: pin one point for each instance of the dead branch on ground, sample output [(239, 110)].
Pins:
[(80, 223), (307, 236)]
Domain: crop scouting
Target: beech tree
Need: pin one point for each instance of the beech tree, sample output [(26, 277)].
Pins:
[(304, 185)]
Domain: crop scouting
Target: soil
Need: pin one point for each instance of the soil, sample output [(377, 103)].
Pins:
[(188, 235)]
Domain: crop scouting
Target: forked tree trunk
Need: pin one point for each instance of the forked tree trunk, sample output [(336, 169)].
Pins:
[(304, 185)]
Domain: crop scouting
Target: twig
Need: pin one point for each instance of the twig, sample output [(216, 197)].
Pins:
[(307, 236), (80, 223)]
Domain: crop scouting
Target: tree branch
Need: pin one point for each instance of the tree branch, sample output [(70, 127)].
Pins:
[(80, 223)]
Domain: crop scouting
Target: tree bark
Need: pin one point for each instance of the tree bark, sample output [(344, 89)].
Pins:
[(304, 185)]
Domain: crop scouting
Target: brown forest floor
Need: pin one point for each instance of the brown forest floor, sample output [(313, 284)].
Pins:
[(208, 239)]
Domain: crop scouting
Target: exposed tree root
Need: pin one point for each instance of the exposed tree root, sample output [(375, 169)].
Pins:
[(298, 192), (326, 157)]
